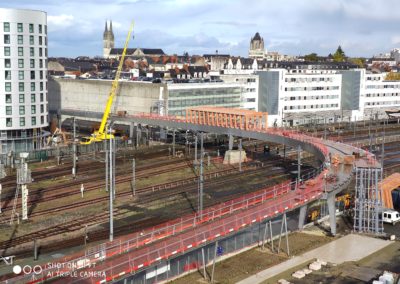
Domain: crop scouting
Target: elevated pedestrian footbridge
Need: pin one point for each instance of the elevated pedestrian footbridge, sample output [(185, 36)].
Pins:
[(139, 251)]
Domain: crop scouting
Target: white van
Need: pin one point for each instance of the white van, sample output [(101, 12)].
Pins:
[(391, 216)]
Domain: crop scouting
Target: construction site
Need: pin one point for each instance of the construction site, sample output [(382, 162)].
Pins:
[(213, 196)]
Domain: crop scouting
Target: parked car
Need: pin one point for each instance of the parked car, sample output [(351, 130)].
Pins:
[(391, 216)]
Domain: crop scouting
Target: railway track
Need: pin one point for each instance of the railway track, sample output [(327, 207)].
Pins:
[(121, 180), (138, 225), (69, 187)]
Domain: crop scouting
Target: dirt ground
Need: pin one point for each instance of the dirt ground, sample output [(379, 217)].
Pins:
[(252, 261)]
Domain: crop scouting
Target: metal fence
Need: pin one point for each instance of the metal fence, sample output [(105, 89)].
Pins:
[(236, 214)]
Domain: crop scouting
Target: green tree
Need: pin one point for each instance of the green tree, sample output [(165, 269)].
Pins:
[(339, 55), (311, 57)]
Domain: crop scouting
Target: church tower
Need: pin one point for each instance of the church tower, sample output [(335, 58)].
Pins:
[(108, 40), (257, 50)]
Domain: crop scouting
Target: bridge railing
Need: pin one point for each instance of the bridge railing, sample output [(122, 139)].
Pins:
[(157, 233), (208, 232)]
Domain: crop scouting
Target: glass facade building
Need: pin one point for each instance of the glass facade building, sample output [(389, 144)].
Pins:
[(183, 96)]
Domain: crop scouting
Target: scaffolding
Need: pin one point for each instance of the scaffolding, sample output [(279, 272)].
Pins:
[(227, 117), (368, 203)]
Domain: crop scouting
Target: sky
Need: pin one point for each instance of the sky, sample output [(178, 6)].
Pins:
[(295, 27)]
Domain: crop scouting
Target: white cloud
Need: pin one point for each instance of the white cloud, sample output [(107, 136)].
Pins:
[(60, 21)]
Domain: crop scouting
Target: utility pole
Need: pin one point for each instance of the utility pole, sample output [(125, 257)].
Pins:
[(298, 164), (111, 189), (383, 147), (74, 150), (114, 151), (106, 158), (201, 178), (2, 175), (195, 149), (173, 144), (133, 185), (240, 155)]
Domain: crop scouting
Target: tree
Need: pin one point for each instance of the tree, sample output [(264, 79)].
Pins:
[(311, 57), (339, 55), (358, 61), (392, 76)]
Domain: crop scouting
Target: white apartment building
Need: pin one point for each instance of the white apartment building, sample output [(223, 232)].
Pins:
[(296, 98), (249, 84), (23, 79)]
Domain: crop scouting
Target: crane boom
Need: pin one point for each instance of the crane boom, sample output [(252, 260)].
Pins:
[(101, 134)]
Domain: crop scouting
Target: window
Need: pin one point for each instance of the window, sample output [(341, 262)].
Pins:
[(20, 51), (41, 75), (21, 86), (9, 122), (40, 52), (8, 110), (21, 110), (33, 87), (41, 97), (22, 121), (6, 27), (20, 63), (20, 27), (33, 109), (8, 86), (6, 39), (31, 28), (40, 63), (41, 108), (7, 75), (21, 75), (8, 98), (40, 29), (32, 63), (45, 29), (33, 120), (21, 98), (42, 119), (31, 40), (33, 76), (33, 98), (40, 40), (7, 63), (20, 39), (7, 51), (31, 51), (41, 87)]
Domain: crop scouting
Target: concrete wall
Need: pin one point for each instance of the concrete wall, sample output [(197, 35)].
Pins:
[(92, 95)]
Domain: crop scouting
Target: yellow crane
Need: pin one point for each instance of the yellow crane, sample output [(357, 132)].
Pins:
[(101, 134)]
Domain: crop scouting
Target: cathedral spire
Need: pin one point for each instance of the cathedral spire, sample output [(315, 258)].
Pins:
[(105, 29), (110, 26)]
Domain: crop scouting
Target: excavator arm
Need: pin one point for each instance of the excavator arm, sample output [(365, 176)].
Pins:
[(101, 133)]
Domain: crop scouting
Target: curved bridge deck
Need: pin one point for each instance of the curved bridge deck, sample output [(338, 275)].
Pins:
[(135, 253)]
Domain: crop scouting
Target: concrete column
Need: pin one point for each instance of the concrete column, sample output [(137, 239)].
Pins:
[(302, 216), (332, 213), (138, 131), (230, 142), (131, 130)]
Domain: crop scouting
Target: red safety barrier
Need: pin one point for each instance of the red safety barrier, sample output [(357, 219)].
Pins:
[(188, 232)]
